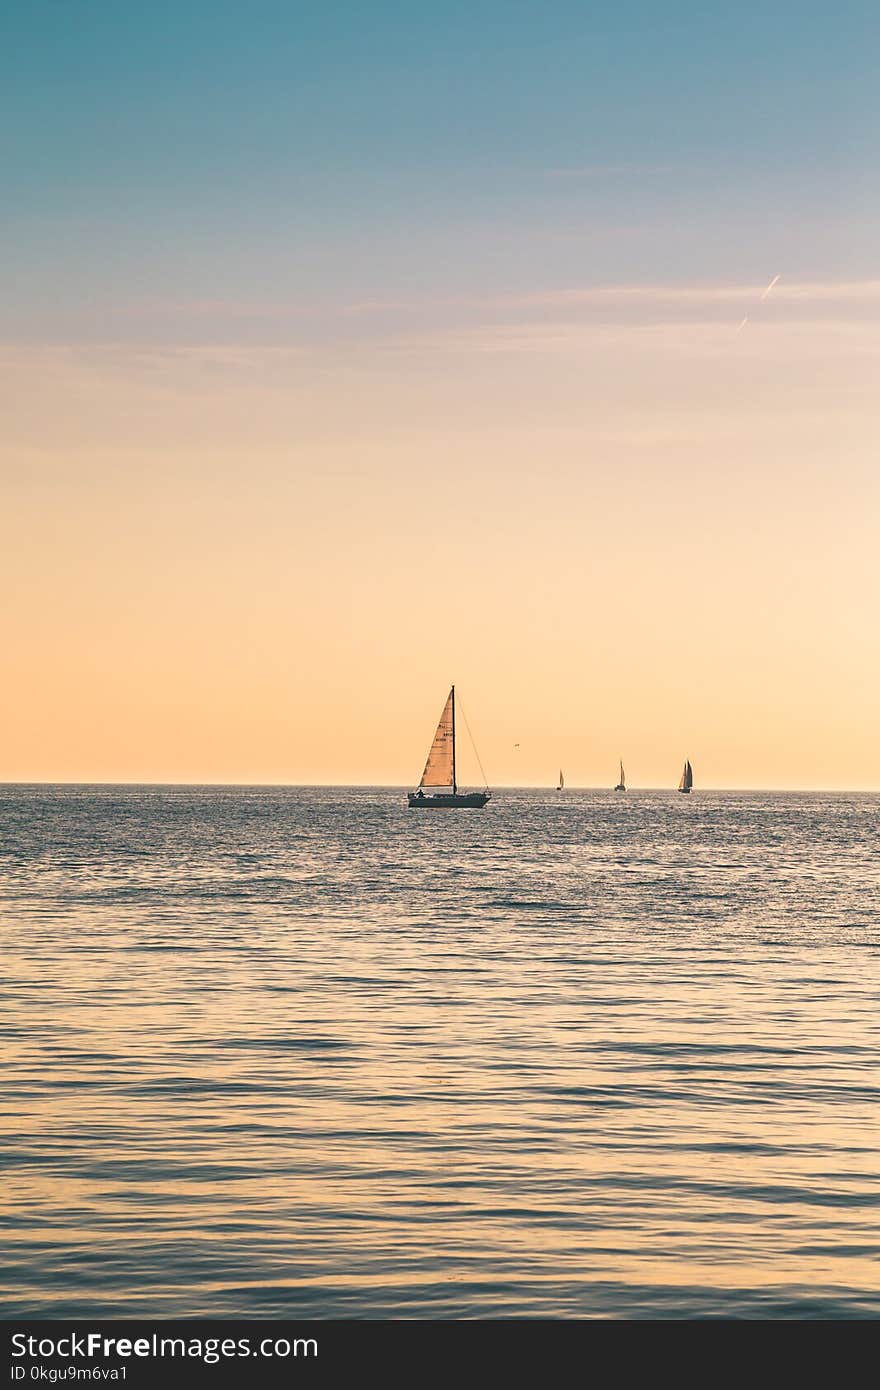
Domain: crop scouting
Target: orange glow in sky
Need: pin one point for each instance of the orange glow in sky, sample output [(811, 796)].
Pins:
[(627, 531)]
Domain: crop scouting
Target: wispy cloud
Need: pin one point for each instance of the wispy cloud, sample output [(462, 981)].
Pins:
[(802, 292), (785, 293), (697, 339), (231, 336)]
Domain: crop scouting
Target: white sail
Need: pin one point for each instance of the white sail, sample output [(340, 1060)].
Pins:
[(622, 778), (440, 767), (687, 778), (561, 781)]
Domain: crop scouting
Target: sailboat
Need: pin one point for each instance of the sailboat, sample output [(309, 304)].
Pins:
[(439, 787), (621, 786), (561, 784), (687, 778)]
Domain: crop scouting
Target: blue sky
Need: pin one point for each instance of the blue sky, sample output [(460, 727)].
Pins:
[(166, 154)]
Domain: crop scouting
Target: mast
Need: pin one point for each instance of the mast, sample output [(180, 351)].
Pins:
[(454, 785)]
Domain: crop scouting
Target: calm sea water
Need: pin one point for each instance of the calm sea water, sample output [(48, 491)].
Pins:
[(304, 1052)]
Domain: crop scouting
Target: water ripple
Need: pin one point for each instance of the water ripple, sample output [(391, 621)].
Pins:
[(280, 1052)]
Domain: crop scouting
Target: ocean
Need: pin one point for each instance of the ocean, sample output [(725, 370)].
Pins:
[(302, 1052)]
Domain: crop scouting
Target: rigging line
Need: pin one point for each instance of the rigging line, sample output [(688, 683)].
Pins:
[(473, 744)]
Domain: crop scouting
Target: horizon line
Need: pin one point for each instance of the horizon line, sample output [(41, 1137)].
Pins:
[(406, 786)]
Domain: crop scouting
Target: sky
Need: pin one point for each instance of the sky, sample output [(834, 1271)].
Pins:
[(348, 352)]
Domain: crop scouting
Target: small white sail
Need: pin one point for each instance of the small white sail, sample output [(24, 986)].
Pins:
[(440, 767), (561, 781), (622, 778)]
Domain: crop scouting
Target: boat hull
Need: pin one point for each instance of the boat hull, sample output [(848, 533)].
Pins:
[(447, 801), (685, 791)]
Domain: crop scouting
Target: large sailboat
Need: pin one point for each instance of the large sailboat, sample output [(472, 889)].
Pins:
[(687, 778), (621, 786), (439, 787)]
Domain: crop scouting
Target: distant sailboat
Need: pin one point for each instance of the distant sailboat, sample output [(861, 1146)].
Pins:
[(621, 786), (439, 787), (561, 781), (687, 778)]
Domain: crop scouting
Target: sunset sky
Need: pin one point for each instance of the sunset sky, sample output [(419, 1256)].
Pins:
[(348, 351)]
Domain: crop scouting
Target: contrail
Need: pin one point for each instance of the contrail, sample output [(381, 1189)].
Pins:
[(769, 288), (774, 281)]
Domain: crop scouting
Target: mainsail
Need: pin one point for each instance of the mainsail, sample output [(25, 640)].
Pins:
[(439, 784), (440, 767), (622, 778), (687, 778), (561, 781)]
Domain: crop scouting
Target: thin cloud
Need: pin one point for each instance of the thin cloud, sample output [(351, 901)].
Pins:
[(546, 320), (804, 292), (788, 292), (698, 338)]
